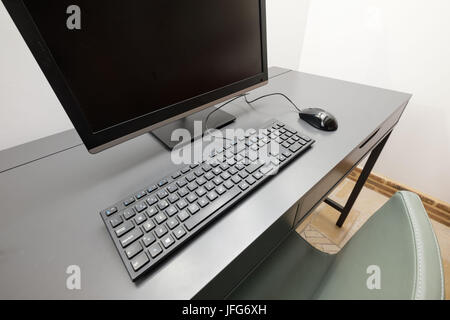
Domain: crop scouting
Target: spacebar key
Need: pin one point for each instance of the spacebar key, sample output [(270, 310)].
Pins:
[(206, 212)]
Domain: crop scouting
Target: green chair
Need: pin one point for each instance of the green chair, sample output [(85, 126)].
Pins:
[(395, 255)]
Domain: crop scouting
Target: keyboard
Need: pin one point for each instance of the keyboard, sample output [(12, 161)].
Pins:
[(149, 225)]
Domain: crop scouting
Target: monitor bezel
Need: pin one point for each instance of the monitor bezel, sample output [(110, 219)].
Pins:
[(106, 138)]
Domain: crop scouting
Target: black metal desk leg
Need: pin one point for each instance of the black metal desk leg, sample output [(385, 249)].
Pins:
[(359, 184)]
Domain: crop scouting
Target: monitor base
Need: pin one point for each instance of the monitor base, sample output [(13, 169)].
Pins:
[(217, 120)]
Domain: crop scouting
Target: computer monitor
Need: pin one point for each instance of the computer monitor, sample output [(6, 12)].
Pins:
[(122, 68)]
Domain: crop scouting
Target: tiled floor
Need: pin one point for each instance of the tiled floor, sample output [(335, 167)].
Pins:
[(320, 229)]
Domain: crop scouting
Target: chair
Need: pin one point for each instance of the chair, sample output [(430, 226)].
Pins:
[(395, 255)]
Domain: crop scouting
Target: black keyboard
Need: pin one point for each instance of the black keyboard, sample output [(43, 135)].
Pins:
[(149, 225)]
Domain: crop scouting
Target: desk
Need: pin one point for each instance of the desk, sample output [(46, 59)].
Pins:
[(52, 189)]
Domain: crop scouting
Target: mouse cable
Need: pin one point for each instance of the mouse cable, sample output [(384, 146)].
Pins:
[(247, 101), (274, 94)]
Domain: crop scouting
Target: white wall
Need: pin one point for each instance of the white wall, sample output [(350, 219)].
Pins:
[(29, 109), (286, 21), (402, 45)]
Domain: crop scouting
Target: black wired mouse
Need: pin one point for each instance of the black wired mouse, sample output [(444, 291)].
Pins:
[(319, 119)]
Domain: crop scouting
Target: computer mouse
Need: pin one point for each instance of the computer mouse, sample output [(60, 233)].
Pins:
[(319, 119)]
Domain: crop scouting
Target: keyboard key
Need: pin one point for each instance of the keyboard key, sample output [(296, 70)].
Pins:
[(191, 198), (181, 183), (128, 214), (160, 218), (306, 138), (267, 169), (250, 180), (254, 167), (155, 250), (162, 182), (203, 202), (192, 186), (194, 221), (190, 177), (140, 207), (287, 154), (179, 232), (244, 185), (209, 176), (221, 190), (217, 181), (171, 211), (133, 250), (183, 215), (162, 194), (201, 181), (167, 241), (151, 200), (182, 204), (183, 192), (258, 175), (140, 261), (173, 198), (130, 237), (148, 239), (128, 201), (172, 223), (216, 171), (243, 174), (225, 176), (294, 148), (198, 172), (160, 231), (201, 192), (193, 208), (228, 184), (207, 168), (176, 175), (194, 165), (110, 211), (152, 188), (209, 186), (127, 226), (140, 218), (172, 188), (141, 194), (185, 170), (212, 196), (116, 221), (163, 204), (152, 211), (148, 225), (236, 179)]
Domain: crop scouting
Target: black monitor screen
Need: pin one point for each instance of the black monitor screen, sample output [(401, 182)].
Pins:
[(123, 59)]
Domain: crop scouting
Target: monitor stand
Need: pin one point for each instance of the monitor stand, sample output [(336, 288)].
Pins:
[(217, 120)]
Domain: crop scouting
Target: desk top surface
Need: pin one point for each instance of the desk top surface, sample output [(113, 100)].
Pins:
[(52, 190)]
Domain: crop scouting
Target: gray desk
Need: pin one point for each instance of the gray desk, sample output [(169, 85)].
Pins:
[(51, 191)]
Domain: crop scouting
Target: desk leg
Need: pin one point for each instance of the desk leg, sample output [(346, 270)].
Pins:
[(359, 184)]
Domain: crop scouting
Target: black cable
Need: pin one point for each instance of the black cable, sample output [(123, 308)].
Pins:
[(274, 94), (247, 101), (218, 108)]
